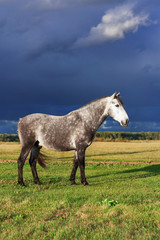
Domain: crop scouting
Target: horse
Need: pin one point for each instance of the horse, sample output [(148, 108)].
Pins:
[(74, 131)]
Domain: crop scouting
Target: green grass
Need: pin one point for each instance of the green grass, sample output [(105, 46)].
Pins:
[(57, 210), (122, 201)]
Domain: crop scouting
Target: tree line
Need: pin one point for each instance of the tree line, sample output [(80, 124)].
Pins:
[(128, 136), (9, 138), (101, 136)]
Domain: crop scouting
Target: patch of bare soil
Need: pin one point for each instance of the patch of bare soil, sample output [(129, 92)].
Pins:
[(95, 162)]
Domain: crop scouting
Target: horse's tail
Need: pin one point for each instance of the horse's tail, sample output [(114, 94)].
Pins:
[(41, 160), (37, 155)]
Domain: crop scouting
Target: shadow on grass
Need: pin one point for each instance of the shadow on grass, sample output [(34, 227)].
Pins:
[(54, 180), (142, 172), (154, 169)]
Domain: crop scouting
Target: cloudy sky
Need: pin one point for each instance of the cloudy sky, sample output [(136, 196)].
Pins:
[(56, 55)]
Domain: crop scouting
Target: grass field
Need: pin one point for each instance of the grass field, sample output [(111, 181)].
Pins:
[(122, 201)]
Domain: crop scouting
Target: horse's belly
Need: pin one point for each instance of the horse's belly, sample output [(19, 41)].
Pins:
[(64, 144)]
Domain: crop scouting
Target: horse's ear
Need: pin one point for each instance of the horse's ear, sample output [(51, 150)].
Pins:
[(118, 94), (114, 95)]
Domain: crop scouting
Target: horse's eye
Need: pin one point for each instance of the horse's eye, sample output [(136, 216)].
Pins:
[(117, 105)]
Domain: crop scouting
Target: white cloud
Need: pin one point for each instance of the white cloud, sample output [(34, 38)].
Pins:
[(115, 24)]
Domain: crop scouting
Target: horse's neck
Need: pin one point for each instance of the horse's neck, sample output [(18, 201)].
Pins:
[(95, 113)]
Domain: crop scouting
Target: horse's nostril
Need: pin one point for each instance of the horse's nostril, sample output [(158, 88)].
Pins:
[(127, 121)]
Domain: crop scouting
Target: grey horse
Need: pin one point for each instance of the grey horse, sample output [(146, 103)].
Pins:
[(74, 131)]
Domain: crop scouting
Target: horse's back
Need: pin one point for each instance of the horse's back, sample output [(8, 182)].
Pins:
[(28, 126), (51, 131), (55, 132)]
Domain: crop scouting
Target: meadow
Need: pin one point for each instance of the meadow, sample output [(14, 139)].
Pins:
[(121, 202)]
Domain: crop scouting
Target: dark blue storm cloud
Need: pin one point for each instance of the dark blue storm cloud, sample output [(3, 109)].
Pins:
[(58, 55)]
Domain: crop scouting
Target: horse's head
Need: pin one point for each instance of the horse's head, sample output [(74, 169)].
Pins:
[(116, 110)]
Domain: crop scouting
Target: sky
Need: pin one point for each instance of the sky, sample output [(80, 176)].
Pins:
[(56, 56)]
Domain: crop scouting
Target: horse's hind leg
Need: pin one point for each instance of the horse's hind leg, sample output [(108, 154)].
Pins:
[(21, 160), (33, 161), (74, 169)]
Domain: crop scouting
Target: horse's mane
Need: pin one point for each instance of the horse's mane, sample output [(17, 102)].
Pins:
[(95, 100)]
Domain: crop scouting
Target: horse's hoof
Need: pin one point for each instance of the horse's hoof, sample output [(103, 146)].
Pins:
[(73, 183), (85, 184), (21, 183), (38, 182)]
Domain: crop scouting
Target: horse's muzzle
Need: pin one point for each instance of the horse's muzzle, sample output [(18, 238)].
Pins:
[(125, 123)]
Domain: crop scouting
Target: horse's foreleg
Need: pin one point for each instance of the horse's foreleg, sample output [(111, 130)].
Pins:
[(81, 163), (33, 161), (74, 169), (21, 160)]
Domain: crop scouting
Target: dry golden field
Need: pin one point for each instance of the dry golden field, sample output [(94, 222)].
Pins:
[(135, 151)]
